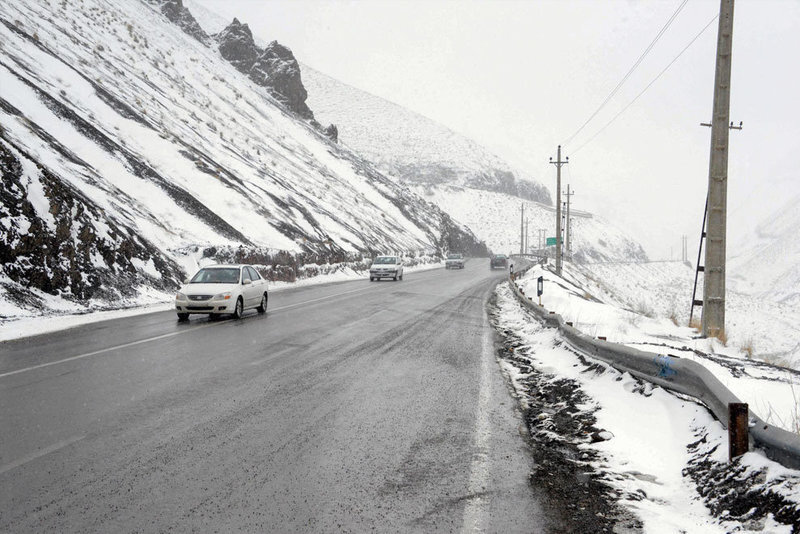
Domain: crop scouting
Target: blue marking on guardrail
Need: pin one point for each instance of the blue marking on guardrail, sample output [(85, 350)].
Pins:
[(665, 364)]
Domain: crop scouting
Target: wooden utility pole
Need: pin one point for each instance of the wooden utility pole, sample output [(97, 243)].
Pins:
[(558, 163), (522, 228), (713, 323)]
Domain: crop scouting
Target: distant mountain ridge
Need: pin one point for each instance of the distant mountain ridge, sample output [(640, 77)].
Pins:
[(769, 265), (412, 147)]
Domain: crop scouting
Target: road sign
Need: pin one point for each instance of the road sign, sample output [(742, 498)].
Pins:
[(550, 241)]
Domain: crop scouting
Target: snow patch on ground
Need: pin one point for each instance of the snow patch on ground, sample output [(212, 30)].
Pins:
[(657, 439)]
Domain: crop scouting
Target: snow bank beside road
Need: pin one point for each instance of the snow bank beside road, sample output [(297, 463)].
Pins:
[(662, 455), (616, 301)]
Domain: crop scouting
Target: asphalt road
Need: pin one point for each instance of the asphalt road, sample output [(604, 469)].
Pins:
[(348, 407)]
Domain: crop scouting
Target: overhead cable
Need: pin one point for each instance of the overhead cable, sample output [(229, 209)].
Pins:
[(630, 71), (696, 37)]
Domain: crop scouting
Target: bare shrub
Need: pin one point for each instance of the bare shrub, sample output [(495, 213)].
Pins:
[(748, 348), (643, 308), (695, 323)]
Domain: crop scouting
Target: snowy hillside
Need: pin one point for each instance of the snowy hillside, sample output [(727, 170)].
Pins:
[(405, 144), (129, 143), (768, 263), (495, 219)]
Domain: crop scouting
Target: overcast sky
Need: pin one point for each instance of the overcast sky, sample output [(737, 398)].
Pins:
[(520, 77)]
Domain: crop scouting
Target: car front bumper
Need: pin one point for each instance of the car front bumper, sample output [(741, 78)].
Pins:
[(382, 274), (205, 306)]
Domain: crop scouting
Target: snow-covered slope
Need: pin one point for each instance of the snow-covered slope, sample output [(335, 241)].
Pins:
[(477, 188), (407, 145), (126, 142), (768, 263), (495, 219)]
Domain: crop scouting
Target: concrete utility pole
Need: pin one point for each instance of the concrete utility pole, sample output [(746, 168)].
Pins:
[(558, 163), (527, 246), (569, 225), (522, 228), (713, 323)]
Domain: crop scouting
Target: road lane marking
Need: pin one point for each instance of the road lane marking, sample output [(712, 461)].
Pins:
[(477, 506), (101, 351), (38, 454), (164, 336)]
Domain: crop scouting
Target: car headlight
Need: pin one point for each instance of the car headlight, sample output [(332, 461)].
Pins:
[(223, 296), (180, 296)]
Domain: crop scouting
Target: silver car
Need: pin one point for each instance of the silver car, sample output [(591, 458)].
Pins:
[(454, 261), (386, 267), (222, 289)]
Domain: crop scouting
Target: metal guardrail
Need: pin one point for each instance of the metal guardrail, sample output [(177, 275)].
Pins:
[(673, 373)]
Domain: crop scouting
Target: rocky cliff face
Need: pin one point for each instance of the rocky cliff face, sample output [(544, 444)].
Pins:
[(273, 67), (55, 239)]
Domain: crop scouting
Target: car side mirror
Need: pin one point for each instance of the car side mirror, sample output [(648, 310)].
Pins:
[(246, 282), (187, 281)]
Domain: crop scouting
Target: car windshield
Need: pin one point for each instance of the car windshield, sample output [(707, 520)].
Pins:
[(454, 256), (385, 260), (500, 257), (216, 276)]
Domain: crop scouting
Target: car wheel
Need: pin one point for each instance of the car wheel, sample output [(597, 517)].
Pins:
[(183, 316), (238, 309), (262, 308), (395, 278), (401, 277), (371, 278)]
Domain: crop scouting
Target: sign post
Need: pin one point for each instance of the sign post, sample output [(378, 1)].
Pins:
[(540, 288)]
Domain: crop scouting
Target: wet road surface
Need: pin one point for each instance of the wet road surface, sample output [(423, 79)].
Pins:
[(348, 407)]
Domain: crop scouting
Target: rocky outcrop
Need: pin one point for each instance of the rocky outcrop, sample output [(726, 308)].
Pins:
[(273, 67), (332, 132), (505, 182), (177, 13)]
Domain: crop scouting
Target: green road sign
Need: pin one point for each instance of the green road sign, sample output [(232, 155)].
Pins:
[(550, 241)]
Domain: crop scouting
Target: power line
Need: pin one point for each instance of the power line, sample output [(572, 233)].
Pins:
[(696, 37), (633, 68)]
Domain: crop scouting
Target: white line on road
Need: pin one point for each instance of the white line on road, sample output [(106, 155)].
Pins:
[(38, 454), (164, 336), (101, 351), (477, 506)]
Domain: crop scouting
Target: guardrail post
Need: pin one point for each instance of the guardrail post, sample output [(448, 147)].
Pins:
[(738, 437)]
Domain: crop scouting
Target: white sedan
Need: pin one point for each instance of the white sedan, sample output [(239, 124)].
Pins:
[(386, 267), (222, 289)]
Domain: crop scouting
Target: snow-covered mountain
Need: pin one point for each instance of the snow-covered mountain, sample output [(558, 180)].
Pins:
[(410, 146), (477, 188), (129, 141), (768, 263)]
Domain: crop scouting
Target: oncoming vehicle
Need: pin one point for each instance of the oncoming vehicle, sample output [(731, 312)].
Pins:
[(222, 289), (454, 261), (386, 267), (498, 261)]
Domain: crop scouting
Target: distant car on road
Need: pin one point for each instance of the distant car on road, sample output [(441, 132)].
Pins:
[(454, 261), (222, 289), (498, 261), (386, 267)]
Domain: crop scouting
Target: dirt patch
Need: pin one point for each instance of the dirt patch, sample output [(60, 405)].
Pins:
[(555, 413), (735, 492)]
